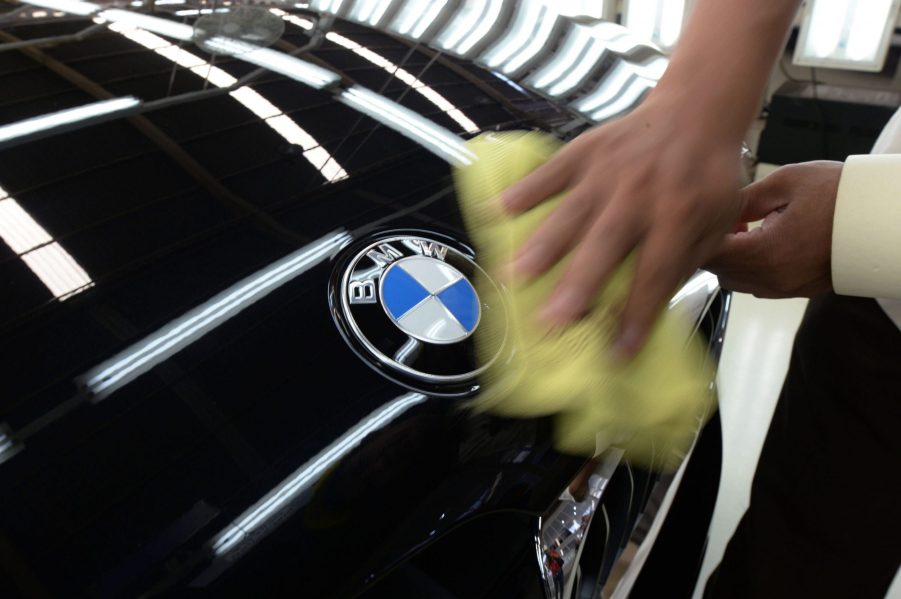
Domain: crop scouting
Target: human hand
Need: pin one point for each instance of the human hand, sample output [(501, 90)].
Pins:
[(657, 182), (789, 255)]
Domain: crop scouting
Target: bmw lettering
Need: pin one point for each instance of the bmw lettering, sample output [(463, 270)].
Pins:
[(409, 307)]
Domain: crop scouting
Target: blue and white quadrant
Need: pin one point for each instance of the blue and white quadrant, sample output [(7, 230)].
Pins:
[(430, 300)]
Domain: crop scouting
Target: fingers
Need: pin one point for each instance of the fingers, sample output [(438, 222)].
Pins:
[(605, 245), (759, 199), (549, 179), (557, 234), (658, 271), (744, 263), (739, 251)]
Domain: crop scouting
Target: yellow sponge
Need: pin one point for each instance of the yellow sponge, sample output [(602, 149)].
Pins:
[(651, 406)]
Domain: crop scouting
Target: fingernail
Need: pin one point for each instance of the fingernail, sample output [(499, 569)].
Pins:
[(627, 344), (562, 305)]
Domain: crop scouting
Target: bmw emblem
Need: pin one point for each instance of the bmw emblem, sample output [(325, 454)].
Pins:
[(409, 306)]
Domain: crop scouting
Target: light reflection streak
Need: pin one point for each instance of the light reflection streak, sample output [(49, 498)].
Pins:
[(245, 528), (380, 61), (277, 62), (581, 51), (408, 349), (624, 101), (410, 124), (329, 6), (314, 153), (470, 26), (68, 116), (370, 12), (46, 258), (416, 17), (142, 28), (621, 88), (127, 365), (532, 27), (73, 7)]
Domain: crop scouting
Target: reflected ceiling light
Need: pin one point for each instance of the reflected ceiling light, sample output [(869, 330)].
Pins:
[(471, 24), (619, 78), (8, 447), (20, 232), (248, 527), (416, 16), (610, 87), (659, 21), (572, 57), (301, 22), (411, 347), (627, 99), (536, 43), (278, 62), (5, 443), (329, 6), (407, 77), (652, 70), (594, 9), (73, 7), (179, 31), (370, 12), (380, 61), (531, 29), (193, 12), (410, 124), (313, 151), (701, 281), (510, 82), (66, 117), (138, 358), (58, 270), (846, 34), (46, 258), (158, 25), (620, 39)]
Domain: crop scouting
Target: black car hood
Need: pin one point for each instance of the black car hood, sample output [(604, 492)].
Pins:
[(178, 408)]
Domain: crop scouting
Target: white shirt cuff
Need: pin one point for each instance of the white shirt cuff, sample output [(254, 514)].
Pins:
[(866, 232)]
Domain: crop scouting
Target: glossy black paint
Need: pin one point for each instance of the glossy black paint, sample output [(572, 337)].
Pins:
[(127, 494)]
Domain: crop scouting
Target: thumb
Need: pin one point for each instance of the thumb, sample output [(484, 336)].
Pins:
[(740, 251), (758, 200)]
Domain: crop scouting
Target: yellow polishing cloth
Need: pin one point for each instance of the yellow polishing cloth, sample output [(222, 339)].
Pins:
[(651, 406)]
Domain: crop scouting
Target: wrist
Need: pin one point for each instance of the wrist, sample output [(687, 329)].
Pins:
[(703, 115), (693, 121)]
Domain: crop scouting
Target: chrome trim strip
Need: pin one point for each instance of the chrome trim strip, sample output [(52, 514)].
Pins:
[(563, 531)]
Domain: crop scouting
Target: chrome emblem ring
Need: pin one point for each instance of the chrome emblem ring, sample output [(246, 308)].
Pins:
[(409, 306)]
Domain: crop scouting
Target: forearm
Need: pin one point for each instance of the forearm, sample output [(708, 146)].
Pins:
[(722, 62)]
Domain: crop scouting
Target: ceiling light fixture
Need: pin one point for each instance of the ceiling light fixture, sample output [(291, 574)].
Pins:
[(846, 34)]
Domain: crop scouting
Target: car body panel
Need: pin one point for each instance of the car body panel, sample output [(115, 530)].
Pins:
[(188, 418)]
